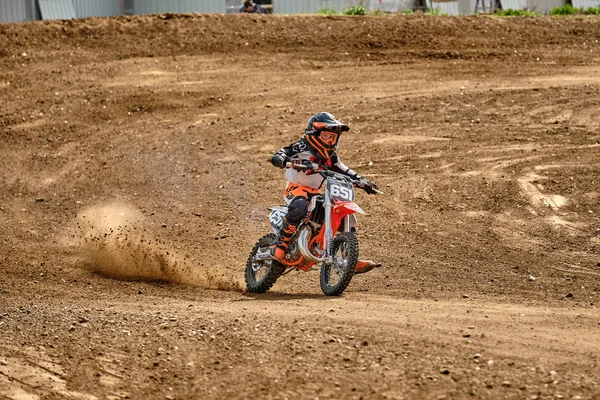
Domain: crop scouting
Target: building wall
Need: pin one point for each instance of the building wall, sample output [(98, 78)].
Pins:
[(179, 6), (15, 10), (586, 3), (513, 4), (313, 6), (445, 7), (57, 9), (98, 8), (391, 5), (296, 7), (545, 6), (232, 6)]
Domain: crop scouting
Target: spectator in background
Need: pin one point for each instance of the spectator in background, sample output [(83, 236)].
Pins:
[(250, 7)]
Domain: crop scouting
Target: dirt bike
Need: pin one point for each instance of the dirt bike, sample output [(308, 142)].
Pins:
[(326, 236)]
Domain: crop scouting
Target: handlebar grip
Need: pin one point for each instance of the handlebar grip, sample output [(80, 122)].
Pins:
[(297, 167)]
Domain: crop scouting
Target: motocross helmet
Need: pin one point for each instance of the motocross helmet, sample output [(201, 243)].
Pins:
[(323, 132)]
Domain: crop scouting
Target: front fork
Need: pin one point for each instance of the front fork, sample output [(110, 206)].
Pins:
[(328, 230)]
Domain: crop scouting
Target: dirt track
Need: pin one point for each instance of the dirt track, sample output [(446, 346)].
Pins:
[(135, 149)]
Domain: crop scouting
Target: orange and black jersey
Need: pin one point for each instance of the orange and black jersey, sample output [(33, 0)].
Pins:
[(302, 150)]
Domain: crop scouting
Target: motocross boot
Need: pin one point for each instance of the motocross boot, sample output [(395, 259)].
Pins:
[(279, 249)]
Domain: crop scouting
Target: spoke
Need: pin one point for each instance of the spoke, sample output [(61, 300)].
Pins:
[(261, 268), (339, 264)]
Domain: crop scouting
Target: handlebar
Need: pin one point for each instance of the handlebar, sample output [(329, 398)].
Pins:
[(325, 173), (297, 167)]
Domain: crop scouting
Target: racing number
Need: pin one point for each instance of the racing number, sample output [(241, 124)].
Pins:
[(276, 218), (341, 192)]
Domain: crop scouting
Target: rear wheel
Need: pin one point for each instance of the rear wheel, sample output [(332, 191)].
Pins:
[(336, 277), (261, 275)]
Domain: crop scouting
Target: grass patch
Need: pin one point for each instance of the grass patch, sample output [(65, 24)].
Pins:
[(436, 12), (517, 13), (566, 10), (328, 11)]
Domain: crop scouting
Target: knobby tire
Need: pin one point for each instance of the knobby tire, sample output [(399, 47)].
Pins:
[(351, 258), (274, 270)]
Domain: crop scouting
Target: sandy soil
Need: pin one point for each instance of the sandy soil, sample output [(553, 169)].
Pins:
[(135, 182)]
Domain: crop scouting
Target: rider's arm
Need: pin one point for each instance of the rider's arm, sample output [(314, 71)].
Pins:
[(340, 167), (280, 158)]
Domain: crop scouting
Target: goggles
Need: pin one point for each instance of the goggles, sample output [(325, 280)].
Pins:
[(329, 138)]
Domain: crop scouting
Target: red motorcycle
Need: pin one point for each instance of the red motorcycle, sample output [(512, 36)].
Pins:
[(326, 236)]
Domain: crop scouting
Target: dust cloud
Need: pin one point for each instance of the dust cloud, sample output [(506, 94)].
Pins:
[(116, 241)]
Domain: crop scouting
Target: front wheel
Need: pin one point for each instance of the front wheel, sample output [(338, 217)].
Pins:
[(261, 275), (336, 277)]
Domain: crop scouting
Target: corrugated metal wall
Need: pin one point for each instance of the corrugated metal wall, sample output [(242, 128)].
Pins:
[(313, 6), (391, 5), (586, 3), (179, 6), (13, 10), (97, 8), (233, 6), (446, 7), (545, 6), (467, 7), (513, 4), (57, 9), (296, 7)]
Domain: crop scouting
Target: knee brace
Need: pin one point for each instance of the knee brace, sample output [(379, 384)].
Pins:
[(297, 210)]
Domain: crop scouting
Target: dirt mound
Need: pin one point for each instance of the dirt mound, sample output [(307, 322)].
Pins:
[(170, 35)]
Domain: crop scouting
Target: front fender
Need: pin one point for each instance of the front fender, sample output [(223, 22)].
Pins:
[(340, 210), (346, 207)]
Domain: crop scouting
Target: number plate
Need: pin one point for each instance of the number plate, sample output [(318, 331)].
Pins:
[(276, 219), (342, 191)]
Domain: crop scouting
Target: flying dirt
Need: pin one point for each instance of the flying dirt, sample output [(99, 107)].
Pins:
[(135, 183), (114, 241)]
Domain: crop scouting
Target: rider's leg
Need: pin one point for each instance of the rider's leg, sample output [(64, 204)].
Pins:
[(297, 210)]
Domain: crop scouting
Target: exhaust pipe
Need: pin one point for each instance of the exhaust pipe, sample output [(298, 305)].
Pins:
[(303, 246)]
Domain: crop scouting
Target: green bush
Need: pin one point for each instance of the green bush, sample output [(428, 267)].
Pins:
[(355, 10), (517, 13), (593, 10), (327, 11), (566, 10), (406, 11)]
